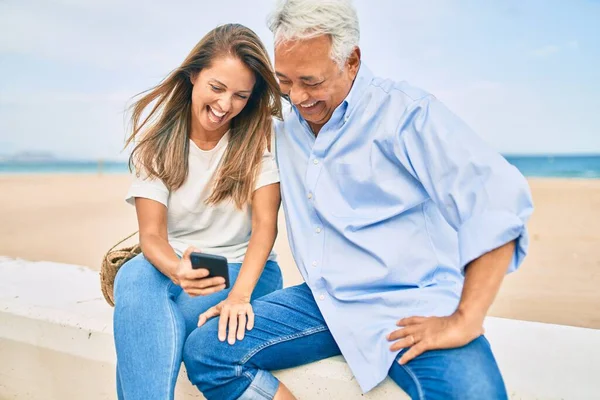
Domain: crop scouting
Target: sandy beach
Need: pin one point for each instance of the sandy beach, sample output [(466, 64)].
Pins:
[(75, 219)]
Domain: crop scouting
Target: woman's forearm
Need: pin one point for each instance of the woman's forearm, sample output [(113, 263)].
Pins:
[(159, 252), (259, 248)]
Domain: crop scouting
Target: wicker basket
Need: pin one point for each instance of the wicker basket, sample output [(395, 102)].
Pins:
[(112, 261)]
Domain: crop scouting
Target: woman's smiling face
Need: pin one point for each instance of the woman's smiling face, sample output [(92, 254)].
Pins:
[(220, 93)]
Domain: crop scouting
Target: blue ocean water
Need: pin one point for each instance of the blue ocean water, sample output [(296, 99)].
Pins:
[(532, 166), (562, 166), (63, 167)]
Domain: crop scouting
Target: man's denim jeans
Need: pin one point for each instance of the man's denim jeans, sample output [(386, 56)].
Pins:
[(152, 319), (290, 331)]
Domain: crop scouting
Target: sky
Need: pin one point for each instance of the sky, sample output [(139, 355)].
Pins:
[(524, 74)]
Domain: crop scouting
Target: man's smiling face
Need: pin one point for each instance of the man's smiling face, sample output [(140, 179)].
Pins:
[(311, 79)]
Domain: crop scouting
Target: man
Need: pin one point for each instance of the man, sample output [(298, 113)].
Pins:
[(402, 222)]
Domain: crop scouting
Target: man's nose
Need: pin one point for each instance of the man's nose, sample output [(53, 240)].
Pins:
[(298, 96)]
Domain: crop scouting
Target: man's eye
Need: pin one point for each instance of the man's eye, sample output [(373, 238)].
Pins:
[(314, 84)]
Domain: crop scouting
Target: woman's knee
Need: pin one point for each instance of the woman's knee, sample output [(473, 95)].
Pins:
[(135, 277)]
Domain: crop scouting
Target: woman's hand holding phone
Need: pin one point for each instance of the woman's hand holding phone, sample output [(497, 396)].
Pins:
[(196, 282)]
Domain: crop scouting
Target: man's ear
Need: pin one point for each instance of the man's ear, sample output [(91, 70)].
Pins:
[(354, 61)]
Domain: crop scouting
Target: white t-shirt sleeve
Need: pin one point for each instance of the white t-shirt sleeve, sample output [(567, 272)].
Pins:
[(148, 188), (269, 173)]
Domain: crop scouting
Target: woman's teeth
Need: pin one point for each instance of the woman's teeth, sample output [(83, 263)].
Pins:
[(214, 115)]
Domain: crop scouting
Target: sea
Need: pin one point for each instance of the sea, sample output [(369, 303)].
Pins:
[(556, 166)]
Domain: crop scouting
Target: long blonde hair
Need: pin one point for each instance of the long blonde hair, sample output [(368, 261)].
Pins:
[(163, 135)]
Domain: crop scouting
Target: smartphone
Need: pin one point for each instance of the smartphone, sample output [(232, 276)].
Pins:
[(216, 265)]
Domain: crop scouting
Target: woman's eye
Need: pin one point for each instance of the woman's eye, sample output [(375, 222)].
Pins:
[(241, 96), (216, 89)]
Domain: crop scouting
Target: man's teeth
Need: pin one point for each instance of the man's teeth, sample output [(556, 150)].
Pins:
[(308, 105), (218, 114)]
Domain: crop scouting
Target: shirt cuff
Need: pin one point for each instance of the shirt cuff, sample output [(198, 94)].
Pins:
[(483, 233)]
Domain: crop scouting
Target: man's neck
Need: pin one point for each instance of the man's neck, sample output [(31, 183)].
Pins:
[(315, 128)]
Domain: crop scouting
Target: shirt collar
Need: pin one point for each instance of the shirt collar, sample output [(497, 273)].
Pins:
[(362, 80)]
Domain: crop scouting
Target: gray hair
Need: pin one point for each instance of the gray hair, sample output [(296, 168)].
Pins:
[(306, 19)]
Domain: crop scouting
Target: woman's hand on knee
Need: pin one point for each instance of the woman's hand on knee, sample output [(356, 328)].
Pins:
[(195, 282), (235, 316)]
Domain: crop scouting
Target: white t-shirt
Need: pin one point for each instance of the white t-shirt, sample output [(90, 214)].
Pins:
[(220, 229)]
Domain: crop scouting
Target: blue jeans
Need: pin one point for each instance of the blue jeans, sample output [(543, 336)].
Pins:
[(152, 319), (290, 331)]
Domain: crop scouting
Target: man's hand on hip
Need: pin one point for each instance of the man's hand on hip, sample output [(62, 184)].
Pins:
[(421, 334)]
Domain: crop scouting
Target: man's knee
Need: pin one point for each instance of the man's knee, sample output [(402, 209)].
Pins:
[(472, 373), (468, 373), (209, 362)]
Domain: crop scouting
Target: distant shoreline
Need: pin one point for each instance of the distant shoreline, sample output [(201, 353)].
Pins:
[(30, 175), (538, 166)]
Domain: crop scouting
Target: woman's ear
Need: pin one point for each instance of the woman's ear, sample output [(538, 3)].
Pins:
[(193, 78)]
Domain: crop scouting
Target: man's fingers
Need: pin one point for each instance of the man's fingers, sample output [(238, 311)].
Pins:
[(400, 333), (404, 343), (405, 337), (208, 314), (411, 321), (412, 353)]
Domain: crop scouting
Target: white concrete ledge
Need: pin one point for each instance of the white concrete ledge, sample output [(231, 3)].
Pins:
[(56, 343)]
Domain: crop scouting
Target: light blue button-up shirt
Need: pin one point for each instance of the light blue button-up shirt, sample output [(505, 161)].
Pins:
[(386, 207)]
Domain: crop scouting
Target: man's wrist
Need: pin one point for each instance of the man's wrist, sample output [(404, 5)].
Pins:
[(469, 316)]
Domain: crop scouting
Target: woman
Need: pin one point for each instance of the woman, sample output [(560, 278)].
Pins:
[(206, 182)]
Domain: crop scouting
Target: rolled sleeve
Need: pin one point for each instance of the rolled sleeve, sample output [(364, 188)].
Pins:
[(484, 198), (484, 233)]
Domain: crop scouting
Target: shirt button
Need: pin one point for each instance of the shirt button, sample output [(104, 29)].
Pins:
[(318, 230), (322, 297), (314, 263), (309, 195), (315, 161)]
